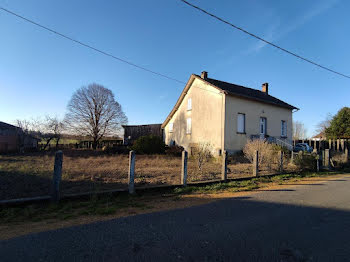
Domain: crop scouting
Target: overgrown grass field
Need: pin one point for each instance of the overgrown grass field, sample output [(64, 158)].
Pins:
[(30, 175)]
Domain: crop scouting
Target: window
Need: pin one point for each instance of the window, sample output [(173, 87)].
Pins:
[(263, 126), (240, 123), (189, 104), (171, 127), (283, 128), (189, 126)]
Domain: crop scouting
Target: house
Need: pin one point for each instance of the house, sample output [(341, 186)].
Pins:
[(226, 115), (319, 137), (133, 132), (13, 139), (9, 137)]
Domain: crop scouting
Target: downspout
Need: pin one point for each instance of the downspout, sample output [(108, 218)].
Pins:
[(296, 110), (222, 122)]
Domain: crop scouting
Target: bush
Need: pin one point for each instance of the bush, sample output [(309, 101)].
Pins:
[(305, 162), (339, 160), (266, 151), (202, 154), (174, 150), (149, 145), (120, 149)]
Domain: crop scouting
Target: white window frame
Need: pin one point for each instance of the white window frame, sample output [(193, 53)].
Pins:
[(189, 104), (240, 131), (188, 126), (283, 128), (263, 126), (171, 127)]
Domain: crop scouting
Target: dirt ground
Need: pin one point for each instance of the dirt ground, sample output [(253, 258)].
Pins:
[(163, 202)]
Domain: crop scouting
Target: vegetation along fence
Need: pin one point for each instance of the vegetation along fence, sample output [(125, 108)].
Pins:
[(72, 173)]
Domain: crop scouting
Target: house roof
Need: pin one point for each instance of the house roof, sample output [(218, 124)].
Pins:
[(4, 125), (230, 89), (141, 125), (319, 135), (249, 93)]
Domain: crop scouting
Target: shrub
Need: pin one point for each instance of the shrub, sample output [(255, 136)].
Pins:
[(339, 160), (202, 154), (266, 151), (174, 150), (149, 145), (305, 162), (119, 149)]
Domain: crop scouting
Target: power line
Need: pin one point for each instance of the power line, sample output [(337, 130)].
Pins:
[(90, 47), (262, 39)]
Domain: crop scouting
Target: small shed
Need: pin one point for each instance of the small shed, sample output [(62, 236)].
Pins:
[(9, 137), (13, 139), (133, 132)]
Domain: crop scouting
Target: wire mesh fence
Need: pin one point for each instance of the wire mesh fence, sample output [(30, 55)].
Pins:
[(152, 170), (83, 171), (203, 171)]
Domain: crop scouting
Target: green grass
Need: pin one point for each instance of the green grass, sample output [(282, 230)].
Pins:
[(106, 205), (111, 204), (249, 184)]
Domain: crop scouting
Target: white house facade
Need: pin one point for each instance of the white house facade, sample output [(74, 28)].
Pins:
[(226, 115)]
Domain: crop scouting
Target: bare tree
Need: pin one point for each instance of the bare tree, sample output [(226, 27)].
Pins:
[(94, 112), (321, 127), (25, 127), (47, 130), (202, 154), (51, 129), (299, 130)]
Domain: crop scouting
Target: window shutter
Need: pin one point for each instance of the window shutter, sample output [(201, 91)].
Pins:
[(189, 126), (189, 104), (283, 128), (241, 123)]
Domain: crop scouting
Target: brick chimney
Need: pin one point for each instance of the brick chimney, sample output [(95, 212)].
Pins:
[(204, 75), (265, 88)]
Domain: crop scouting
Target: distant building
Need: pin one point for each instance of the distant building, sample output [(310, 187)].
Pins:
[(133, 132), (13, 139), (319, 137), (9, 137), (87, 142)]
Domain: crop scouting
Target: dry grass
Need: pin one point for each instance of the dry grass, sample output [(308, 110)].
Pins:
[(30, 175)]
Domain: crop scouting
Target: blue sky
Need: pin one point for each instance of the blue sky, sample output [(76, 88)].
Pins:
[(39, 71)]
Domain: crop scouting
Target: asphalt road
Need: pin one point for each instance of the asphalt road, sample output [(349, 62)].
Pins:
[(300, 223)]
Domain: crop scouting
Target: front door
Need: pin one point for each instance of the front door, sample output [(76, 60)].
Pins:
[(262, 127)]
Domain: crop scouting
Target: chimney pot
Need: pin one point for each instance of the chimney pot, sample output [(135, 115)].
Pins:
[(204, 75), (265, 88)]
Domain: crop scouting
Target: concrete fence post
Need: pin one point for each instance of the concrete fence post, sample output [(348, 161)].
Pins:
[(281, 155), (131, 175), (256, 163), (323, 158), (338, 145), (184, 168), (57, 175), (330, 144), (346, 154), (224, 166), (326, 158)]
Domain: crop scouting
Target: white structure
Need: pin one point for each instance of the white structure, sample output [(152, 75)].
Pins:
[(226, 116)]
